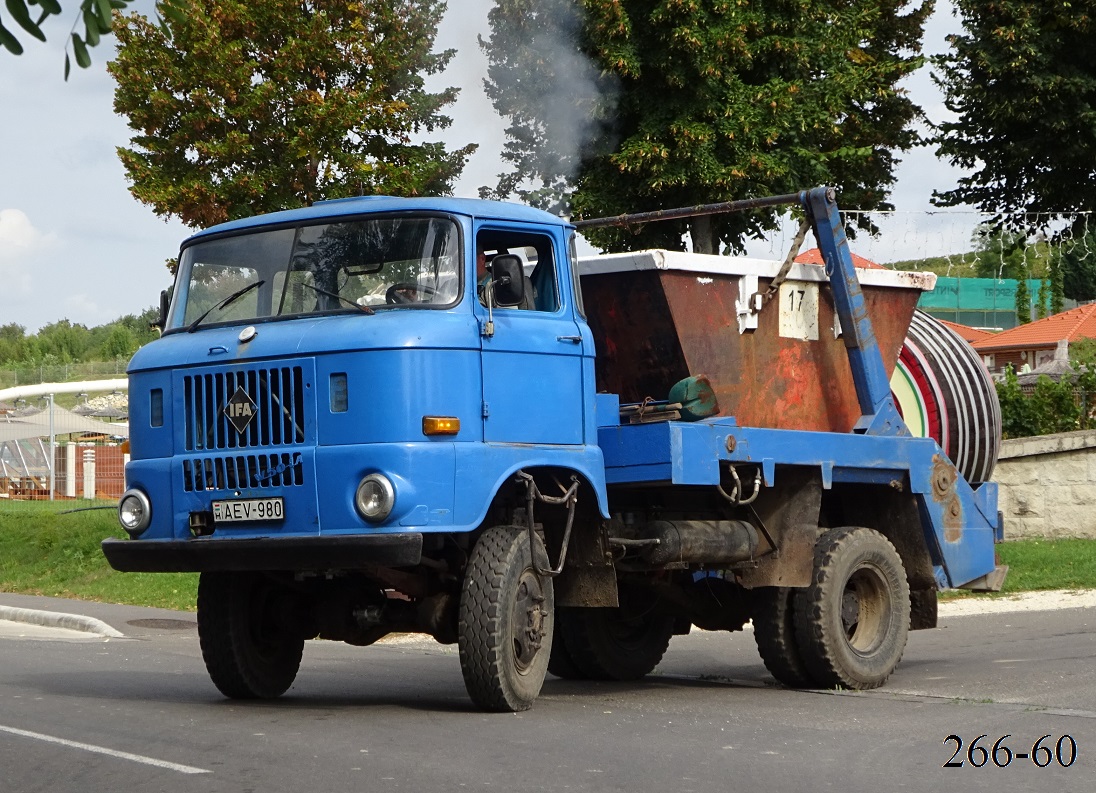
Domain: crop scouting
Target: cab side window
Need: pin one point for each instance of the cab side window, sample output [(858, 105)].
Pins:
[(538, 262)]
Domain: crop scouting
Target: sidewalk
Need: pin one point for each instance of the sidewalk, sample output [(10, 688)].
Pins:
[(109, 620)]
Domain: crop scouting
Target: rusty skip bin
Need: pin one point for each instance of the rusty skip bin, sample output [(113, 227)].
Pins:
[(658, 316)]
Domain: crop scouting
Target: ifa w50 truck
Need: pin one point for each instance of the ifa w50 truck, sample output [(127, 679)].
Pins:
[(380, 415)]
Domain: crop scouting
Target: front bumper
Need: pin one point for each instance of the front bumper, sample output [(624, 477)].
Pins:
[(263, 553)]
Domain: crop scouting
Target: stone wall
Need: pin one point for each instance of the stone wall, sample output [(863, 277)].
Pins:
[(1048, 485)]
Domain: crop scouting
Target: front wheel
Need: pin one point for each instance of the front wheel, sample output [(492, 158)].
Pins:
[(852, 622), (506, 621), (249, 651)]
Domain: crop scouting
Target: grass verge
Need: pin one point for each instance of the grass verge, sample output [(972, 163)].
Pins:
[(1049, 564), (46, 549)]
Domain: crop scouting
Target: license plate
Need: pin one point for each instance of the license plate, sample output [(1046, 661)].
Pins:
[(248, 509)]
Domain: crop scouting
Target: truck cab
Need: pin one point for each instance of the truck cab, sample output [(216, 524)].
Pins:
[(337, 371)]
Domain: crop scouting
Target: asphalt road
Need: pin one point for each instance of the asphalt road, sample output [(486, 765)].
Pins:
[(80, 712)]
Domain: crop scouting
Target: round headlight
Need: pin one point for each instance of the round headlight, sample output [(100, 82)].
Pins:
[(134, 512), (375, 497)]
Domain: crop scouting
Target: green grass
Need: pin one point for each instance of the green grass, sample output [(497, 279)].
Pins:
[(1049, 564), (44, 551)]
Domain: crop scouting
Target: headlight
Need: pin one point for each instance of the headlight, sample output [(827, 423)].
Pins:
[(134, 512), (375, 497)]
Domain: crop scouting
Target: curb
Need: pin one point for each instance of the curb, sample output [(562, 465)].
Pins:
[(53, 619), (1040, 600)]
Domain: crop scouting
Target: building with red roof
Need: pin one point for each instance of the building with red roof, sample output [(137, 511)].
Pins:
[(1033, 344), (814, 256), (968, 334)]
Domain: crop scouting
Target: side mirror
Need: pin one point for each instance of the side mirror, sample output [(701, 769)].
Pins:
[(508, 280), (165, 301)]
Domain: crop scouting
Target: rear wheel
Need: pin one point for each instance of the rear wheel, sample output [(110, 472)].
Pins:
[(623, 643), (852, 622), (774, 632), (506, 621), (561, 664), (248, 650)]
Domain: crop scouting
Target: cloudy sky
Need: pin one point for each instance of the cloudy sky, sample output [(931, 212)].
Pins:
[(74, 244)]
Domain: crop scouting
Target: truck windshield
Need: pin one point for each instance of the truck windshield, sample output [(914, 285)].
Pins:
[(357, 265)]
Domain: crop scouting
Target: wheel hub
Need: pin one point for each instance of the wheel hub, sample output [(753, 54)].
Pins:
[(864, 608), (529, 617)]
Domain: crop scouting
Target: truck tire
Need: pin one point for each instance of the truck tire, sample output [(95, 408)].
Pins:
[(852, 622), (560, 663), (247, 653), (506, 621), (623, 643), (774, 632)]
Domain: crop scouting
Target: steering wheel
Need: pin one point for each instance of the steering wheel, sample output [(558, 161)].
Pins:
[(403, 293)]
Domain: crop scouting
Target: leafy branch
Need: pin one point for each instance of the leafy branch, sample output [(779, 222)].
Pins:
[(30, 14)]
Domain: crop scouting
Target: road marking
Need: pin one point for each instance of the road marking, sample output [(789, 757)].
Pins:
[(87, 747)]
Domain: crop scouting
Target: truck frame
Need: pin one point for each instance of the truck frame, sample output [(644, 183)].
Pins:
[(352, 427)]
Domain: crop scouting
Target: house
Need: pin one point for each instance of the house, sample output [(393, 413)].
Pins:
[(968, 334), (1028, 346), (814, 256), (1058, 368)]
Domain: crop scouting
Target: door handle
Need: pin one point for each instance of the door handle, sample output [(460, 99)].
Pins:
[(572, 339)]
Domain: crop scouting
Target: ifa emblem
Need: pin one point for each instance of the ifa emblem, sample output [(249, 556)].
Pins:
[(240, 409)]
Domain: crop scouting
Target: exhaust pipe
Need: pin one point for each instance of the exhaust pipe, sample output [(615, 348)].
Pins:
[(699, 541)]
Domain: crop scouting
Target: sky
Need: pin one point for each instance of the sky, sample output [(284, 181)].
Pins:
[(74, 244)]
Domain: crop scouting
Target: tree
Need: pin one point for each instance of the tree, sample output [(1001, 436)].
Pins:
[(63, 342), (1002, 254), (1082, 354), (1052, 406), (1019, 415), (1057, 286), (1078, 263), (688, 103), (12, 342), (1023, 302), (95, 14), (120, 343), (1023, 95), (241, 107)]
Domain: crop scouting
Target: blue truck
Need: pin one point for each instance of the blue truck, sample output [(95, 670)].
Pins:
[(380, 415)]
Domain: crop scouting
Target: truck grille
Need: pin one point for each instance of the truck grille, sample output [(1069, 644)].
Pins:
[(278, 397), (248, 471)]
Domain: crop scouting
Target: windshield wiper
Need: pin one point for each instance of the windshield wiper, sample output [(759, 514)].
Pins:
[(363, 308), (225, 303)]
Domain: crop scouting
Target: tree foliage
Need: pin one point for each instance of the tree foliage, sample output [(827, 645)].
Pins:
[(680, 103), (1000, 253), (241, 108), (66, 342), (1023, 88), (1079, 267), (1052, 406), (94, 14)]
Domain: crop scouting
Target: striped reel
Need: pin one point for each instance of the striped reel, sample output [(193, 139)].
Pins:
[(944, 392)]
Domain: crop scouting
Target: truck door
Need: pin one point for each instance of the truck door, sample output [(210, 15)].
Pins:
[(533, 362)]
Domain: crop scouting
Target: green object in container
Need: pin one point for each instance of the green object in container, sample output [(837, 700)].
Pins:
[(696, 397)]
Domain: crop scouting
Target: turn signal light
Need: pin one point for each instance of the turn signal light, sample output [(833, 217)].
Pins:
[(440, 425)]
